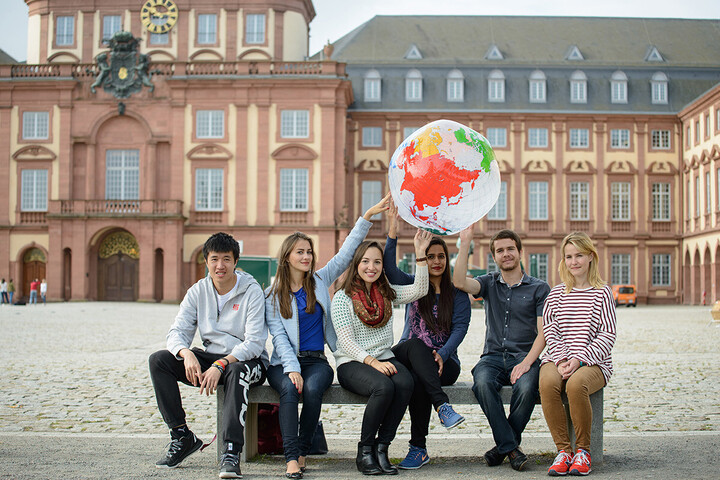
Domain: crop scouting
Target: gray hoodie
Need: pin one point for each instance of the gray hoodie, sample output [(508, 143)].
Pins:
[(239, 329)]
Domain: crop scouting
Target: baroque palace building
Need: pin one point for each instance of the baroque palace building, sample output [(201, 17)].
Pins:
[(122, 152)]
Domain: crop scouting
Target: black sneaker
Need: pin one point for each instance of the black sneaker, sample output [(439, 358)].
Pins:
[(230, 466), (517, 459), (493, 457), (178, 450)]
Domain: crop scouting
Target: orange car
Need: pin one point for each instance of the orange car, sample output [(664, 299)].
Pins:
[(625, 295)]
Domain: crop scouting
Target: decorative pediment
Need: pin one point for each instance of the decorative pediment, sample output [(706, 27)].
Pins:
[(294, 152), (705, 157), (34, 153), (695, 161), (653, 55), (494, 53), (254, 54), (372, 166), (621, 167), (538, 166), (715, 152), (206, 55), (661, 168), (413, 53), (505, 167), (209, 151), (573, 53), (580, 166)]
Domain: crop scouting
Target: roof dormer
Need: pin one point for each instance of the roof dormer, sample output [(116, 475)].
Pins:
[(494, 53), (413, 53), (653, 55), (574, 54)]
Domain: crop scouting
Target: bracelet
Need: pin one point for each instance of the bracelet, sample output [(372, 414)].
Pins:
[(422, 259), (217, 364)]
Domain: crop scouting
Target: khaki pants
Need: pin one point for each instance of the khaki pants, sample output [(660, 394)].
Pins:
[(584, 382)]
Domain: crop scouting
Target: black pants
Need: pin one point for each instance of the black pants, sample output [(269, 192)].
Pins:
[(418, 358), (166, 371), (388, 398)]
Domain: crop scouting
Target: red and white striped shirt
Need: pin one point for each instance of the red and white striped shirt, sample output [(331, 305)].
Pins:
[(580, 324)]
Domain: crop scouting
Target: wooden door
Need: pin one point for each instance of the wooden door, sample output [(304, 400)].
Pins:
[(118, 278)]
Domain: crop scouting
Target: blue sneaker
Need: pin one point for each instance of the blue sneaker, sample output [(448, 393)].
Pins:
[(448, 417), (416, 458)]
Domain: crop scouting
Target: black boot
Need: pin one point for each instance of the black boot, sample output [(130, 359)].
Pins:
[(383, 461), (366, 462)]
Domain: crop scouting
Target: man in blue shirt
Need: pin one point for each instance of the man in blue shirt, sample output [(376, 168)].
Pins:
[(513, 341)]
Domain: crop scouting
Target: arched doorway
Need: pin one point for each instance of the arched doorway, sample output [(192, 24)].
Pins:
[(67, 275), (200, 268), (687, 279), (118, 268), (707, 293), (159, 279), (34, 262), (696, 290)]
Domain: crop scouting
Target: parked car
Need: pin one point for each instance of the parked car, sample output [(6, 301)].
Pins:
[(625, 295)]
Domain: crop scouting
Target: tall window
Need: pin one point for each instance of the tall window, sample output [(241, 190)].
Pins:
[(538, 200), (295, 123), (255, 28), (372, 86), (688, 138), (372, 137), (717, 190), (455, 86), (371, 195), (497, 136), (697, 196), (620, 194), (538, 137), (64, 30), (496, 86), (538, 87), (620, 138), (661, 270), (578, 87), (33, 193), (697, 132), (661, 202), (35, 125), (708, 197), (660, 139), (413, 86), (111, 25), (539, 266), (618, 88), (491, 265), (659, 86), (293, 189), (209, 189), (579, 201), (499, 210), (207, 29), (122, 175), (579, 138), (620, 269), (707, 125), (210, 124)]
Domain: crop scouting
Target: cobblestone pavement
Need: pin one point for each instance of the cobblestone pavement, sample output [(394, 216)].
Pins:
[(82, 368)]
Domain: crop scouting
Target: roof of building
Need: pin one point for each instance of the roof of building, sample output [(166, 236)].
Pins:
[(5, 58)]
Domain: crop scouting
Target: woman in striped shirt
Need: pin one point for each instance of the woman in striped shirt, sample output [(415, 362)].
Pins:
[(579, 327)]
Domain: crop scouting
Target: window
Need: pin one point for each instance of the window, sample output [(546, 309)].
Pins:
[(497, 136), (293, 189), (707, 125), (159, 38), (578, 87), (122, 175), (660, 139), (209, 189), (539, 266), (371, 195), (413, 86), (407, 131), (499, 210), (659, 86), (207, 29), (579, 201), (620, 138), (538, 137), (491, 265), (538, 200), (210, 124), (620, 269), (35, 125), (579, 138), (111, 25), (687, 198), (618, 88), (620, 194), (538, 87), (496, 86), (661, 202), (717, 190), (708, 197), (255, 28), (455, 86), (295, 123), (697, 132), (372, 137), (372, 86), (65, 31), (697, 196), (661, 270), (33, 193)]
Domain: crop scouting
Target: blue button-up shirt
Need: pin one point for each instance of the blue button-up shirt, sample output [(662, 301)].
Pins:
[(511, 313)]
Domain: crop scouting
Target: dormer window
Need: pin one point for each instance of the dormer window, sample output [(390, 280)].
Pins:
[(496, 86), (494, 53), (372, 86), (538, 87), (455, 86), (413, 86), (413, 53), (574, 54), (578, 87), (618, 87), (653, 55), (659, 85)]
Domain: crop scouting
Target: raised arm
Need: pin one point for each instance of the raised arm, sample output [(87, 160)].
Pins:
[(419, 288), (393, 273), (460, 278)]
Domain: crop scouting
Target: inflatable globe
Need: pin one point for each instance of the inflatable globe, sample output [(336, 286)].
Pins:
[(444, 177)]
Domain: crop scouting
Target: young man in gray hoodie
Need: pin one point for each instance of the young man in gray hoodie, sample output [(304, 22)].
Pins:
[(227, 308)]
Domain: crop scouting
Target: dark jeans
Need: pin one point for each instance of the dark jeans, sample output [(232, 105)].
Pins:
[(418, 358), (317, 377), (490, 374), (166, 371), (388, 398)]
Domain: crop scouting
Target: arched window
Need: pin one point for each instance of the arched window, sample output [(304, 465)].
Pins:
[(659, 84), (496, 86), (538, 87), (372, 86), (413, 86), (618, 87), (455, 86), (578, 87)]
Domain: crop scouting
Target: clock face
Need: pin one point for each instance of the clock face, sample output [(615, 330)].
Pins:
[(159, 16)]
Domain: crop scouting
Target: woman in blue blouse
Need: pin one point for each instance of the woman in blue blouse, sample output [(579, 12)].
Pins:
[(297, 312), (435, 326)]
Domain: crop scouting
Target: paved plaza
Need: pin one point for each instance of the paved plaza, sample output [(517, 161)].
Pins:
[(77, 371)]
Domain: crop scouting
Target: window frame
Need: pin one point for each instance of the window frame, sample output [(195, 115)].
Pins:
[(494, 213), (36, 114), (537, 87), (535, 212), (247, 41), (414, 86), (295, 135), (208, 195), (661, 140), (575, 137), (532, 134), (372, 83), (125, 194), (504, 136), (619, 145), (376, 132), (72, 43), (496, 87), (210, 134), (622, 269), (659, 89), (620, 201), (579, 201), (660, 201), (659, 263), (35, 207), (308, 178), (103, 39), (206, 42), (365, 201)]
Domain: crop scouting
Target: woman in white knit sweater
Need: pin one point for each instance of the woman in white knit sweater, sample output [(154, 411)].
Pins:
[(362, 316)]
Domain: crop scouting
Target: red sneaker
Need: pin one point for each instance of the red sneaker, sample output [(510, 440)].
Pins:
[(561, 465), (580, 463)]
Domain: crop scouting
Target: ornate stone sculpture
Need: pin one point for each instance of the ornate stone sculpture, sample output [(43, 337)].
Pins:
[(123, 71)]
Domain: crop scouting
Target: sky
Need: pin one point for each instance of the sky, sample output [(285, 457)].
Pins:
[(335, 18)]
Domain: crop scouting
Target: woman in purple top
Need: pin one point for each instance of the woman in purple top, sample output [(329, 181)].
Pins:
[(435, 325)]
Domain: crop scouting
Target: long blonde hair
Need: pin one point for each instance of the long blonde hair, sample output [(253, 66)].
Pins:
[(281, 290), (584, 244)]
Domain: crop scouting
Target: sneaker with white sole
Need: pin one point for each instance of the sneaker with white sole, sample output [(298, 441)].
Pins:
[(230, 466), (448, 417), (178, 450), (415, 458), (580, 463), (561, 465)]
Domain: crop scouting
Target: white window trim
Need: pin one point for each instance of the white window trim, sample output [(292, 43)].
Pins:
[(538, 139), (579, 138), (38, 120), (293, 116), (620, 201), (492, 134), (212, 185), (661, 202), (372, 136), (618, 139), (212, 118), (34, 190), (579, 201), (210, 36), (538, 201), (297, 189)]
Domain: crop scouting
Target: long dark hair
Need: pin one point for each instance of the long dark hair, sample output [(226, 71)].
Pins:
[(446, 303), (281, 291), (352, 279)]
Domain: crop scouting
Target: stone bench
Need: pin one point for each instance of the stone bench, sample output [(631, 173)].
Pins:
[(459, 394)]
